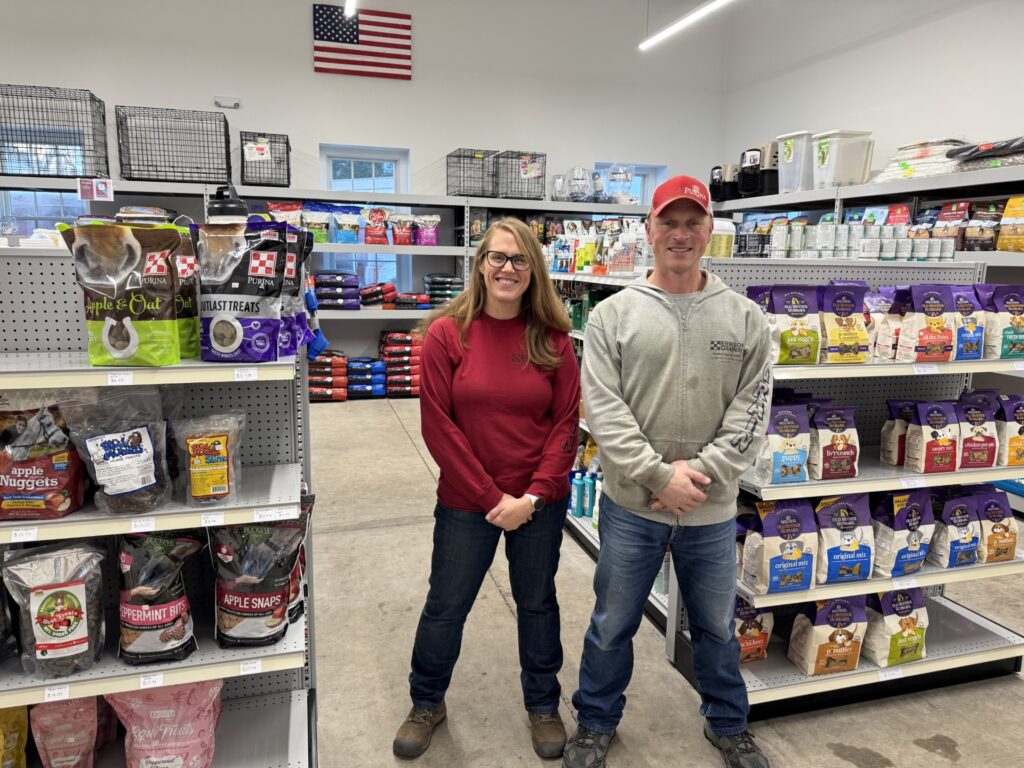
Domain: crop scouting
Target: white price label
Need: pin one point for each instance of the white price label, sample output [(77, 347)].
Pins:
[(120, 378), (912, 482), (1018, 365), (889, 674), (906, 582), (57, 693), (21, 535), (143, 524), (212, 519), (925, 369), (253, 667), (246, 374), (273, 514), (155, 680)]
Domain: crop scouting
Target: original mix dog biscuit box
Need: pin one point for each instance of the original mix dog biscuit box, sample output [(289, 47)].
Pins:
[(903, 525), (846, 540), (957, 534), (778, 554)]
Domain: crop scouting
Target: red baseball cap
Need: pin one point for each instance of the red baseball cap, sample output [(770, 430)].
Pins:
[(681, 188)]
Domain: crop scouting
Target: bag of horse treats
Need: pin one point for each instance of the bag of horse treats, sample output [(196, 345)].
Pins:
[(894, 432), (835, 445), (844, 333), (126, 275), (897, 623), (186, 296), (903, 524), (1010, 431), (796, 333), (778, 553), (846, 540), (889, 327), (64, 732), (968, 324), (999, 527), (957, 534), (14, 730), (926, 334), (933, 438), (827, 636), (1004, 338), (753, 629), (783, 456), (979, 444), (297, 578)]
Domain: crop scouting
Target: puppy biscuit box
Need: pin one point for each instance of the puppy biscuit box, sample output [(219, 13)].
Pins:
[(933, 438), (926, 334), (1005, 339), (999, 527), (796, 333), (979, 446), (844, 333), (835, 447), (897, 622), (969, 324), (957, 534), (1010, 431), (783, 456), (894, 432), (753, 628), (778, 554), (846, 540), (827, 636), (904, 524)]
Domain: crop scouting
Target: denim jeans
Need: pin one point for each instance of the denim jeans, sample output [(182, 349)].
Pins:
[(464, 547), (632, 550)]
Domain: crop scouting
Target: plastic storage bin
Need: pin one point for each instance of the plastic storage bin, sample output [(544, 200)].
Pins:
[(796, 167), (841, 158)]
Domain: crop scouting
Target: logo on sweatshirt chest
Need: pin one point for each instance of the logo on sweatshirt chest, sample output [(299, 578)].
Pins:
[(727, 350)]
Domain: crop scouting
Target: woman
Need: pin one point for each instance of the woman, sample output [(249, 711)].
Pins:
[(499, 400)]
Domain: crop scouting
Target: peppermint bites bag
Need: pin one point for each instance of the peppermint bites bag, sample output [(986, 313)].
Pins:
[(65, 732), (926, 334), (127, 276), (903, 524), (835, 445), (1005, 336), (894, 431), (933, 438), (796, 332), (827, 636), (778, 553), (979, 445), (241, 276), (844, 333), (753, 629), (957, 534), (1010, 431), (999, 527), (968, 324), (897, 623), (846, 540)]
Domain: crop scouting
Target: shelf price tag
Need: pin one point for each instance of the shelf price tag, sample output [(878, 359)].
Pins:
[(1018, 365), (21, 535), (912, 482), (906, 582), (143, 524), (120, 378), (925, 369), (885, 675), (272, 514), (155, 680), (246, 374), (56, 693), (209, 519), (252, 667)]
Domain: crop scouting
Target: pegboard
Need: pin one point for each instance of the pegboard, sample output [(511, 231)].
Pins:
[(263, 684), (739, 273), (41, 307)]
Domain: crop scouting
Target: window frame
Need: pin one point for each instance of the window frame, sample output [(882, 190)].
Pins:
[(7, 208), (652, 176)]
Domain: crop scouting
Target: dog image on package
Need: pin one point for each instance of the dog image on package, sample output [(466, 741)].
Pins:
[(846, 540), (969, 324), (1010, 431), (827, 636), (1005, 336), (957, 534), (844, 333), (933, 438), (904, 524), (796, 331), (897, 622), (926, 334), (979, 442), (835, 446), (753, 628), (783, 456), (778, 553), (999, 528)]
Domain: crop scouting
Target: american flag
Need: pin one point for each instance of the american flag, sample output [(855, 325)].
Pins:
[(370, 44)]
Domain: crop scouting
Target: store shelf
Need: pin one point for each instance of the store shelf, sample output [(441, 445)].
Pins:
[(930, 575), (875, 370), (954, 184), (557, 207), (372, 314), (269, 731), (850, 264), (992, 258), (576, 335), (585, 526), (266, 493), (120, 185), (368, 198), (813, 198), (956, 638), (29, 252), (43, 370), (583, 277), (874, 476), (111, 675), (412, 250)]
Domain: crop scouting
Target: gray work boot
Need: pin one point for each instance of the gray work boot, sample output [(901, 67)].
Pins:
[(586, 749), (739, 751), (548, 735), (413, 736)]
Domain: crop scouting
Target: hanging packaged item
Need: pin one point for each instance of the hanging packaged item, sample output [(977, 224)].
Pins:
[(753, 629), (979, 443), (957, 534), (897, 623), (903, 525), (14, 729), (126, 276), (846, 540), (212, 462), (926, 334), (297, 578), (294, 331), (999, 527), (186, 296), (155, 615), (827, 636), (933, 438), (796, 331), (779, 551), (64, 732), (59, 588)]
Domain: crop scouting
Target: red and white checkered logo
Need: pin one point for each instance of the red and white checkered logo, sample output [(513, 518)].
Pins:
[(262, 263), (187, 266), (156, 263), (291, 261)]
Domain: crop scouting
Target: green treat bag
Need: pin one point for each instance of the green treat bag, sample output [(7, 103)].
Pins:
[(127, 274), (186, 296)]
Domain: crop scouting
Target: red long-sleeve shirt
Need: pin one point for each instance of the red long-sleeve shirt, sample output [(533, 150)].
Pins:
[(494, 422)]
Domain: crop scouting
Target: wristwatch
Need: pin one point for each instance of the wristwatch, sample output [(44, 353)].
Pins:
[(537, 501)]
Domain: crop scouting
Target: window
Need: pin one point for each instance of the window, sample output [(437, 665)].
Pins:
[(26, 210), (645, 179), (349, 174)]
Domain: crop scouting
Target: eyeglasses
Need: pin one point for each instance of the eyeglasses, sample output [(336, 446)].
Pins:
[(497, 259)]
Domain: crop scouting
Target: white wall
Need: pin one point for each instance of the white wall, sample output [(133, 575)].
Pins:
[(563, 77)]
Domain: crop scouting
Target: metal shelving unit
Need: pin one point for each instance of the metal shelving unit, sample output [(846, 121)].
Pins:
[(373, 314), (583, 277), (554, 206), (411, 250), (576, 335)]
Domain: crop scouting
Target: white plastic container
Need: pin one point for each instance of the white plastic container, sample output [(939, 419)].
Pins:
[(841, 158), (796, 169), (723, 237)]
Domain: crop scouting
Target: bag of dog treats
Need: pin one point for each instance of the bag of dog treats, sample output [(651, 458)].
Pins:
[(796, 333), (835, 446), (762, 296), (753, 629), (316, 217), (926, 334), (983, 228), (186, 296), (888, 336), (376, 227), (979, 445), (778, 553), (846, 540), (1004, 338), (877, 306), (903, 525), (288, 212), (426, 229), (844, 333), (65, 732), (827, 636), (1010, 430), (894, 432), (783, 456), (401, 228), (957, 534), (968, 324), (241, 276), (999, 528), (346, 223), (294, 331), (14, 729), (897, 622), (126, 274), (933, 438), (989, 397)]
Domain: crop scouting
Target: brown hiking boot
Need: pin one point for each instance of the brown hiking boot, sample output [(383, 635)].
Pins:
[(413, 736), (548, 735)]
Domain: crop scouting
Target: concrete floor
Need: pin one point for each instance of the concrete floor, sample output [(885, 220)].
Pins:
[(375, 485)]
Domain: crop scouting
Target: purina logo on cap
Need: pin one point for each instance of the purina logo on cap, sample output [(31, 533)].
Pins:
[(680, 188)]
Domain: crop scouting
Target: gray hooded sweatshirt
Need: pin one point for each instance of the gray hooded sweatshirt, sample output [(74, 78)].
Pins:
[(659, 386)]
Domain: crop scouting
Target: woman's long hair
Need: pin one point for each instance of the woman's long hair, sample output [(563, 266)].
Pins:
[(543, 309)]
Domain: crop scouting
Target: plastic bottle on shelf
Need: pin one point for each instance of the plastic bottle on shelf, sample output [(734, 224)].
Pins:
[(576, 500), (588, 495), (722, 239)]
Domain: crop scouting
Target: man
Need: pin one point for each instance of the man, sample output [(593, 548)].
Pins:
[(676, 383)]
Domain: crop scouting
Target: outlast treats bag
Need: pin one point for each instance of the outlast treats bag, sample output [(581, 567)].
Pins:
[(796, 333), (778, 553), (783, 456), (827, 636), (846, 540), (904, 524), (897, 622), (753, 628)]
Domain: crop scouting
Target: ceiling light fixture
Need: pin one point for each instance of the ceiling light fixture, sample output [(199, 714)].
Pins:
[(679, 24), (350, 8)]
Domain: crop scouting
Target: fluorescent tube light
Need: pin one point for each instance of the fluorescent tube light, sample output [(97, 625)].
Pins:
[(678, 25), (350, 8)]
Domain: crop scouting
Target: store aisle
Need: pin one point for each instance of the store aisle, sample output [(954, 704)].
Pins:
[(375, 483)]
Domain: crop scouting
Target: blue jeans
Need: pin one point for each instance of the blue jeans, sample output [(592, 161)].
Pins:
[(632, 551), (464, 547)]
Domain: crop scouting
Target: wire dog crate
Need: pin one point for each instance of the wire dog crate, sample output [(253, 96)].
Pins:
[(270, 168), (173, 145), (52, 132), (521, 175), (471, 172)]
